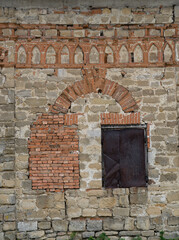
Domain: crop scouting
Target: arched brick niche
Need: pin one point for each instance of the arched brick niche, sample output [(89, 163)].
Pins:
[(54, 146), (94, 81)]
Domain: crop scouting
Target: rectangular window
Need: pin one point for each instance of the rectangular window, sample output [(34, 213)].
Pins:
[(124, 156)]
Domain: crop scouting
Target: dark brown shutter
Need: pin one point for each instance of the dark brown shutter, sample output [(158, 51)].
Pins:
[(110, 156), (123, 156)]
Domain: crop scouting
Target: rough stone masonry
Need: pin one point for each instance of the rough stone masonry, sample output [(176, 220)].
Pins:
[(66, 69)]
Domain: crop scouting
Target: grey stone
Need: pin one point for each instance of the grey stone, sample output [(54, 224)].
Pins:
[(129, 233), (87, 234), (113, 224), (94, 225), (138, 198), (11, 235), (36, 234), (143, 223), (163, 161), (45, 201), (44, 225), (7, 199), (1, 235), (60, 225), (168, 177), (77, 225), (173, 221), (27, 226), (24, 93)]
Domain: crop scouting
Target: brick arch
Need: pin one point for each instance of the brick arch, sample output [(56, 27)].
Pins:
[(94, 81)]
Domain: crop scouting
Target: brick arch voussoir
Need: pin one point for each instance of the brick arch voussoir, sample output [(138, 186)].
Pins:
[(94, 81)]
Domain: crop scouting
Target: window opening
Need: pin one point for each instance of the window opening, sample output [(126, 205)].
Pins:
[(124, 156)]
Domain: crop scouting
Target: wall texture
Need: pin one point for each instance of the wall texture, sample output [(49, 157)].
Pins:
[(65, 71)]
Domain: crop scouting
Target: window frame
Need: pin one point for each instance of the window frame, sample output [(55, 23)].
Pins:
[(127, 126)]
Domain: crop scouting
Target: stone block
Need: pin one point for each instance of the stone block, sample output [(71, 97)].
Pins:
[(138, 198), (21, 32), (169, 177), (36, 234), (83, 203), (50, 33), (87, 234), (154, 211), (163, 18), (89, 212), (11, 235), (163, 161), (27, 226), (2, 235), (122, 33), (9, 216), (173, 196), (77, 225), (104, 212), (27, 204), (176, 161), (94, 225), (129, 224), (108, 33), (143, 223), (139, 33), (45, 201), (93, 33), (21, 235), (79, 33), (7, 32), (176, 12), (114, 108), (130, 233), (93, 117), (108, 202), (169, 32), (7, 199), (173, 221), (73, 212), (60, 225), (124, 201), (113, 224), (65, 33), (9, 226), (36, 33), (120, 212), (44, 225)]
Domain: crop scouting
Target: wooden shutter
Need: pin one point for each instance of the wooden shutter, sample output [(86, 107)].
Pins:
[(124, 157)]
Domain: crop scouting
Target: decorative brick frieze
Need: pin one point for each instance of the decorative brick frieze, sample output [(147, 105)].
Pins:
[(134, 48), (144, 46)]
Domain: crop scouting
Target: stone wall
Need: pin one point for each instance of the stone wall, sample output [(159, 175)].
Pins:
[(65, 72)]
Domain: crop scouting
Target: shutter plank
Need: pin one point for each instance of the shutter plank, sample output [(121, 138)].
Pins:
[(132, 154), (110, 156)]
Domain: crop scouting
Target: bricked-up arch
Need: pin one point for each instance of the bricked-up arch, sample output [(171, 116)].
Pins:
[(53, 152), (94, 81)]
